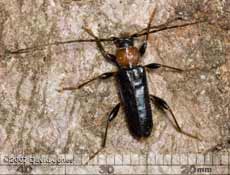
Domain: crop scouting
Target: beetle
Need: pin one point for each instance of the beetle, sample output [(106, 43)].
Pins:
[(131, 77), (133, 86)]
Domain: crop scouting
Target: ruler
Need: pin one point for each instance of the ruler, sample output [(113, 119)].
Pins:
[(119, 164)]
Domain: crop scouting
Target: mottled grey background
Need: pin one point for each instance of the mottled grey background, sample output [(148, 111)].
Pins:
[(35, 118)]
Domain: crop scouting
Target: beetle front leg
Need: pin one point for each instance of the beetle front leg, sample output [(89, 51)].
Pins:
[(164, 106), (102, 76), (109, 57), (111, 116)]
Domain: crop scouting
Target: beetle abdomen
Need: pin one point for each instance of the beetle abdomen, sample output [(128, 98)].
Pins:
[(135, 97)]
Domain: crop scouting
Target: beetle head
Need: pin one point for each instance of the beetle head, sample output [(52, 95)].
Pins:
[(123, 42)]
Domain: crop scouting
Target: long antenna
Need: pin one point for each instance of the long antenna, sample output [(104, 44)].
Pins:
[(153, 29), (40, 47)]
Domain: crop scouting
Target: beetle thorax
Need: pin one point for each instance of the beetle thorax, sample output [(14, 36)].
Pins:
[(127, 56)]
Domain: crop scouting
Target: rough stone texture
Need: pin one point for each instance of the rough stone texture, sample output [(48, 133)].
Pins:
[(36, 119)]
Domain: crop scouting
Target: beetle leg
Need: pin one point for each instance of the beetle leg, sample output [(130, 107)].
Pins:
[(144, 45), (156, 66), (164, 106), (102, 76), (106, 55), (111, 116)]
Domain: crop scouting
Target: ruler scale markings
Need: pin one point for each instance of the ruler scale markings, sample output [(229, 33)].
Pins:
[(149, 160), (171, 160), (221, 162), (154, 164), (228, 163), (163, 157), (147, 164), (219, 159), (187, 159), (212, 160), (191, 159), (110, 160), (119, 159), (196, 159), (130, 160), (114, 159), (204, 160), (97, 159), (216, 159), (65, 164), (106, 160)]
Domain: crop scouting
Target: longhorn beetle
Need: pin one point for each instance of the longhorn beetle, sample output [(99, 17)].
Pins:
[(132, 82), (131, 78)]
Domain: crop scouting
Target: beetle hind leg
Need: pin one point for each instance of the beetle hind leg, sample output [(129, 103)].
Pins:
[(162, 104), (111, 116)]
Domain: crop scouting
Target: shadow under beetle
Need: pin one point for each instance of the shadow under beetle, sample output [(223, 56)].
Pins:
[(133, 85)]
